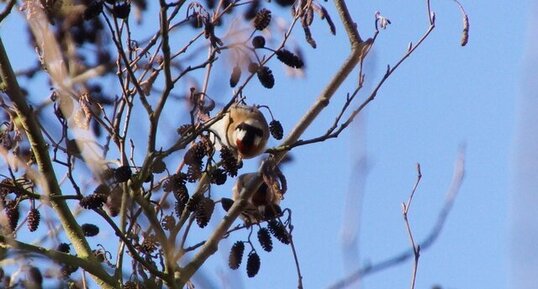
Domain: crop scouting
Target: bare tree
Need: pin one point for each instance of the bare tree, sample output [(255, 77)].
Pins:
[(79, 150)]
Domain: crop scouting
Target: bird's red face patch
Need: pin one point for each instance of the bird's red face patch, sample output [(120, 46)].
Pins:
[(247, 138), (243, 148)]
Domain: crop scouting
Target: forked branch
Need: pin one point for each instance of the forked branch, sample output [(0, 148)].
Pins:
[(457, 179)]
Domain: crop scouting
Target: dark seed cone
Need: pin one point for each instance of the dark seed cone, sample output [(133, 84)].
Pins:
[(89, 230), (4, 191), (275, 127), (168, 222), (265, 239), (285, 3), (181, 193), (122, 174), (208, 144), (288, 58), (251, 10), (33, 219), (67, 270), (102, 189), (158, 167), (195, 154), (279, 231), (258, 42), (13, 215), (194, 201), (229, 162), (149, 245), (182, 200), (262, 19), (93, 9), (226, 203), (236, 255), (194, 173), (265, 75), (236, 76), (121, 10), (174, 182), (196, 20), (218, 176), (253, 264), (204, 211), (93, 201), (64, 248)]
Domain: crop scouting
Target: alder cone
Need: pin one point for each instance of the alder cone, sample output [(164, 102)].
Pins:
[(122, 174), (236, 255), (13, 215), (33, 219), (93, 201), (265, 239), (288, 58), (253, 264), (265, 76), (279, 231), (275, 127), (226, 203), (89, 230), (262, 19), (204, 211), (64, 248)]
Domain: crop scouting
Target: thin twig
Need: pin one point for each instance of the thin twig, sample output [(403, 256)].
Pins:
[(457, 179), (295, 256), (405, 213), (331, 133)]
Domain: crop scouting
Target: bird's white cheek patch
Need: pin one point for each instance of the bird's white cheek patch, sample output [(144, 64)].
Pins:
[(240, 134)]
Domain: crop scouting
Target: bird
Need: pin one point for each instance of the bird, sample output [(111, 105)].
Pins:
[(244, 129), (263, 205)]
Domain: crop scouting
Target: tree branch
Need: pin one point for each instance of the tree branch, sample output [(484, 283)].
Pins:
[(457, 179), (90, 266), (50, 185)]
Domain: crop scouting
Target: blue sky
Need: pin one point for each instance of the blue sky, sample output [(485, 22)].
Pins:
[(442, 97)]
